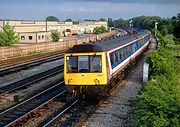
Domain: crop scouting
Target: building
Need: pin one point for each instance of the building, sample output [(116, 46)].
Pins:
[(40, 31)]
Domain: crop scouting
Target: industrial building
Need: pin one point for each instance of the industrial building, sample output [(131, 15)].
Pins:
[(40, 31)]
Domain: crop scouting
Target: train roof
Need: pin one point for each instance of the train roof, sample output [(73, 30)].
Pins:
[(107, 44)]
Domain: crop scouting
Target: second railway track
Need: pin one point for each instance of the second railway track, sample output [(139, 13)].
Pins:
[(28, 64), (22, 83)]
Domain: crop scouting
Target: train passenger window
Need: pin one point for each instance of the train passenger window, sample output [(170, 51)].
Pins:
[(72, 65), (131, 49), (120, 54), (116, 57), (83, 64), (126, 51), (112, 58), (134, 47), (96, 64)]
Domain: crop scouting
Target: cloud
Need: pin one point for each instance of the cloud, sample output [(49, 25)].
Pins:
[(77, 10), (99, 1)]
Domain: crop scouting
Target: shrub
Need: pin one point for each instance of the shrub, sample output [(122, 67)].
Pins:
[(55, 35), (158, 105), (161, 63), (98, 30), (8, 36)]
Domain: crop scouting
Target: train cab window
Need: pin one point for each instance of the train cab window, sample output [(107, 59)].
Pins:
[(72, 66), (83, 62), (96, 64)]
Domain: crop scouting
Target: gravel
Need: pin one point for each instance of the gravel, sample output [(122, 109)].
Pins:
[(118, 109)]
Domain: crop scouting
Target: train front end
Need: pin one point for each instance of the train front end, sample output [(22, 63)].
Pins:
[(85, 73)]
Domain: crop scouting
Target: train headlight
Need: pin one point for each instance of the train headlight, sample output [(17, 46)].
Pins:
[(70, 80), (96, 81)]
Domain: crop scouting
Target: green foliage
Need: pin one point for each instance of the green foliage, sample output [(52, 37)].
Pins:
[(158, 105), (55, 35), (176, 30), (164, 40), (102, 19), (120, 23), (68, 20), (52, 18), (161, 62), (148, 22), (98, 30), (8, 36), (169, 38), (90, 20)]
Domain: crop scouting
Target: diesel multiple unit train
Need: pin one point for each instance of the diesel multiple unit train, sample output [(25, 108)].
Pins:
[(90, 67)]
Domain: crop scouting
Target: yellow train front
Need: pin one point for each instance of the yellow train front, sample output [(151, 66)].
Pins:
[(85, 70)]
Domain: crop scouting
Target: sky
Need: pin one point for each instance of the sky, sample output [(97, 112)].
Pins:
[(86, 9)]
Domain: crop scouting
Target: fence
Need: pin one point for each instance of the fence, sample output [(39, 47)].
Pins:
[(19, 50)]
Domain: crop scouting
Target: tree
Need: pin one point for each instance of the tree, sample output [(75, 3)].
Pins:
[(8, 36), (110, 22), (68, 20), (52, 18), (55, 35), (98, 30), (120, 23), (102, 19)]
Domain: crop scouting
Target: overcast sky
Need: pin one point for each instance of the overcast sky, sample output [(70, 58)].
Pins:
[(83, 9)]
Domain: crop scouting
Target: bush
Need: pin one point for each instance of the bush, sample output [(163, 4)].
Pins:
[(98, 30), (55, 35), (8, 36), (158, 105), (161, 63)]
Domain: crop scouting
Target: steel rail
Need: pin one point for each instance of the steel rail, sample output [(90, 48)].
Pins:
[(30, 80), (6, 70), (27, 102), (61, 113)]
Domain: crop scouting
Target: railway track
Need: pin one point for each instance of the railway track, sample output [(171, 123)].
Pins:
[(50, 121), (23, 83), (22, 112), (26, 65)]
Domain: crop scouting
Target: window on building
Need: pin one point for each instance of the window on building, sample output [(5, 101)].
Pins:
[(39, 37), (22, 37), (30, 37), (42, 36)]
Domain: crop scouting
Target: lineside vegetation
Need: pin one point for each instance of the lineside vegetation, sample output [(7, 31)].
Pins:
[(8, 36), (158, 104), (99, 30), (55, 35)]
